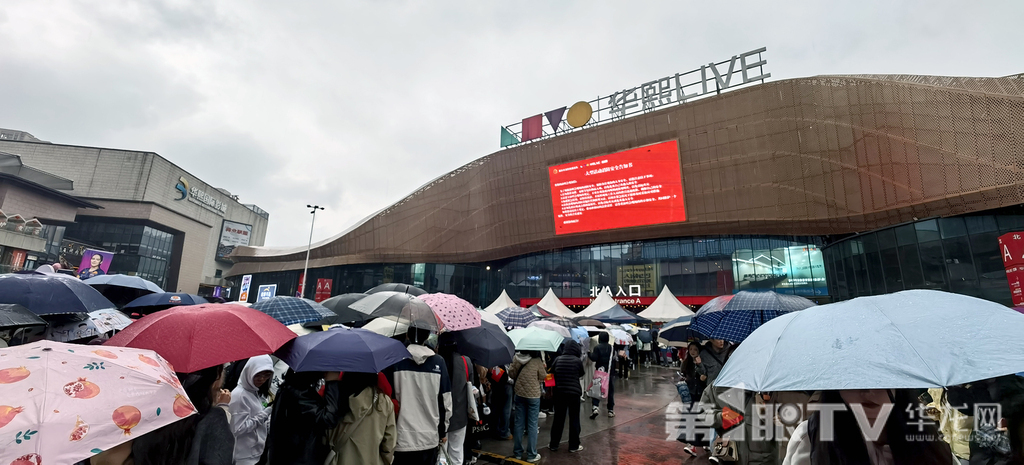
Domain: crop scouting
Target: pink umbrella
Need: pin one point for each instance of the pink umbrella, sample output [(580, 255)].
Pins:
[(62, 403), (455, 313)]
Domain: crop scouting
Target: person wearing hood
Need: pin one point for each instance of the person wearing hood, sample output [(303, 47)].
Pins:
[(250, 415), (567, 369), (603, 359), (367, 434), (301, 418), (528, 371), (424, 393)]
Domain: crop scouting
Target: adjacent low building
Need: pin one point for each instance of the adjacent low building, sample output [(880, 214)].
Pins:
[(159, 221)]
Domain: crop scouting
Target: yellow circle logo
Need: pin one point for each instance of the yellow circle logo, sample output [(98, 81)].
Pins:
[(579, 114)]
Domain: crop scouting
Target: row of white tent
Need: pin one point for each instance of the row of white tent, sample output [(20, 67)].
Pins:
[(665, 308)]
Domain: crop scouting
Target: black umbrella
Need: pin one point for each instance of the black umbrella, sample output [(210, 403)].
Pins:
[(14, 316), (121, 289), (589, 322), (404, 307), (486, 344), (339, 305), (397, 287), (51, 294), (645, 336)]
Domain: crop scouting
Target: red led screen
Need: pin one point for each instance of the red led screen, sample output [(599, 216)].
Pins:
[(635, 187)]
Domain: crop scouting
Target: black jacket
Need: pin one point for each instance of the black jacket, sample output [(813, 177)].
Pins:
[(568, 369), (600, 356), (299, 422)]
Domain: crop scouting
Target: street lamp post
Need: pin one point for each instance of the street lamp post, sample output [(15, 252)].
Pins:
[(305, 268)]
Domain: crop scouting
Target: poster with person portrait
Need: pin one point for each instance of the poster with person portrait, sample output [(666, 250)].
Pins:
[(94, 263)]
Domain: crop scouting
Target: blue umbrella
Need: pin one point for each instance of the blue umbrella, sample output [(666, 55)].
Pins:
[(343, 349), (579, 334), (733, 317), (516, 317), (907, 340), (292, 310), (161, 301), (677, 333), (51, 294)]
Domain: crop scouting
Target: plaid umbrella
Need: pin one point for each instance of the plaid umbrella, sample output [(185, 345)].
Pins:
[(516, 317), (562, 321), (734, 317), (292, 310), (455, 313)]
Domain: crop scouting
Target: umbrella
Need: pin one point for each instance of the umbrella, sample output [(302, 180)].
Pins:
[(490, 318), (66, 403), (397, 287), (339, 305), (589, 322), (389, 327), (621, 337), (579, 334), (194, 337), (561, 321), (561, 330), (120, 288), (161, 301), (64, 328), (16, 316), (906, 340), (516, 317), (616, 314), (535, 339), (456, 314), (488, 344), (677, 333), (406, 307), (343, 349), (292, 310), (51, 294), (645, 336), (733, 317)]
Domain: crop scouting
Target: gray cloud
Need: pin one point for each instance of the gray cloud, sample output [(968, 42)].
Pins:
[(354, 104)]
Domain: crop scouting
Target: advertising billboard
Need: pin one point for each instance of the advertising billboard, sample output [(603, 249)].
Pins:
[(232, 235), (266, 291), (94, 263), (243, 293), (636, 187), (788, 270)]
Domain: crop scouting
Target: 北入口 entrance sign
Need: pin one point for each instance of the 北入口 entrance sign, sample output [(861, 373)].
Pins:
[(709, 79)]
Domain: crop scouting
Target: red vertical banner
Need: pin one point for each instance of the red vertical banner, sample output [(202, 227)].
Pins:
[(17, 259), (323, 290), (302, 286), (1011, 247)]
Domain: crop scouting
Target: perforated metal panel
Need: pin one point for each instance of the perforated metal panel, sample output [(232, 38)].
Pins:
[(812, 156)]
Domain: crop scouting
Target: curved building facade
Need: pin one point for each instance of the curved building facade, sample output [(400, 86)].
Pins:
[(790, 164)]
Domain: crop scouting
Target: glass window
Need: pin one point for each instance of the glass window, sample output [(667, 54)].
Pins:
[(910, 264), (960, 265), (876, 278), (952, 227), (980, 224), (1010, 223), (886, 239), (891, 268), (932, 265), (927, 230), (906, 235)]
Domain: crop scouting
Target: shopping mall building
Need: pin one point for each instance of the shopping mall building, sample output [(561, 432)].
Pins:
[(829, 187), (59, 202)]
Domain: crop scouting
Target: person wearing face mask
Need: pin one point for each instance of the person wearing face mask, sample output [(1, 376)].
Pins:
[(250, 415), (842, 440)]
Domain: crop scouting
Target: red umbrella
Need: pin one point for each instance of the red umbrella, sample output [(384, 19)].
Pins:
[(193, 337)]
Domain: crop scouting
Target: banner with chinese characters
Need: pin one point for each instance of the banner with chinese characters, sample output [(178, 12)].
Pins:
[(323, 289), (1011, 246), (232, 235)]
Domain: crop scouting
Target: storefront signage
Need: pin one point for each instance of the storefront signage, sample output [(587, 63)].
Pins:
[(199, 197), (709, 79), (266, 291), (232, 235), (1011, 245), (243, 294), (323, 289)]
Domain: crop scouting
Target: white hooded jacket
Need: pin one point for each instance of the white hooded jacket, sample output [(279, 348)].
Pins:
[(423, 390), (250, 420)]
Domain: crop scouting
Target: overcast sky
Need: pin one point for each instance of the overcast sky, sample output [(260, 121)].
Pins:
[(352, 105)]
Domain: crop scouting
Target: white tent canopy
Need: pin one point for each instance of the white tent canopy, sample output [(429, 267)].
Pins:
[(603, 302), (552, 304), (502, 302), (665, 308)]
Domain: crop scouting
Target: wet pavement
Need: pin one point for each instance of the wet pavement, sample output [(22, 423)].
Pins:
[(637, 434)]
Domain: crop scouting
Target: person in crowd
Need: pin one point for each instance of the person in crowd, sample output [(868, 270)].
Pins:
[(423, 388), (301, 418), (204, 438), (988, 445), (567, 369), (528, 371), (250, 415), (691, 371), (232, 372), (460, 372), (367, 433), (603, 357), (621, 360), (656, 347), (501, 400), (95, 263), (902, 441), (713, 357)]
